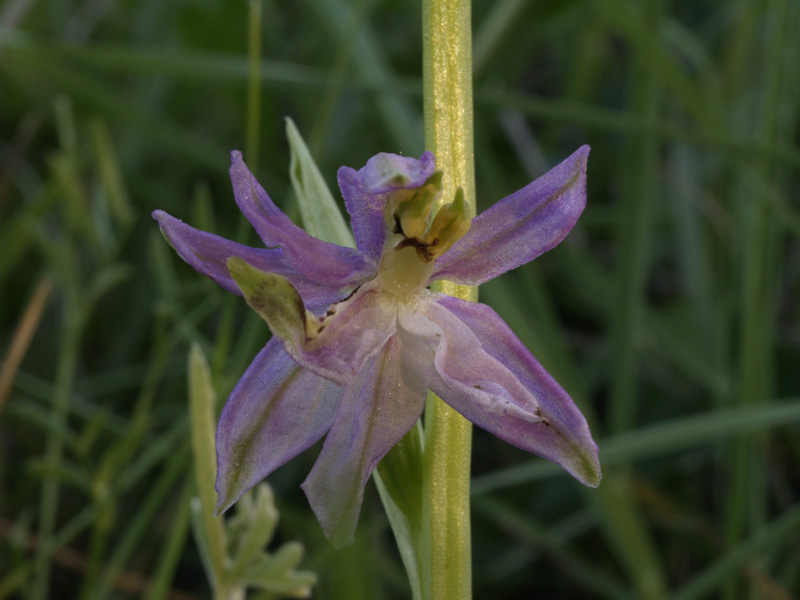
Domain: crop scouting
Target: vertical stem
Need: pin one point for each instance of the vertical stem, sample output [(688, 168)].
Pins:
[(447, 87), (253, 84)]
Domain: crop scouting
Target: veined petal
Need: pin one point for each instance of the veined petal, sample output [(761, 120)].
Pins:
[(208, 254), (380, 405), (520, 227), (318, 261), (276, 411), (334, 346), (366, 191), (351, 332), (480, 368)]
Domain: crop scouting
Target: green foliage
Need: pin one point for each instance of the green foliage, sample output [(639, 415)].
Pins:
[(319, 212), (670, 314), (233, 551)]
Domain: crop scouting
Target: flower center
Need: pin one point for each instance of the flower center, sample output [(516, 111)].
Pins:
[(417, 236)]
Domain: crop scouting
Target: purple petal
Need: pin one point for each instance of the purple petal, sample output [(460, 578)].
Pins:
[(483, 371), (276, 411), (318, 261), (365, 193), (381, 404), (208, 254), (334, 345), (353, 333), (520, 227)]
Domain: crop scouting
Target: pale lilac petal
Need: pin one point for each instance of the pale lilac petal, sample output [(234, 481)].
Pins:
[(481, 369), (334, 345), (318, 261), (380, 405), (520, 227), (365, 193), (353, 331), (208, 254), (275, 412)]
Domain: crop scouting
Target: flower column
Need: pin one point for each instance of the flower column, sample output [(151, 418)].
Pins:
[(447, 87)]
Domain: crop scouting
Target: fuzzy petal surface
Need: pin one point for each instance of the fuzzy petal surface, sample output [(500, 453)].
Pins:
[(480, 368), (366, 192), (380, 405), (520, 227), (276, 411), (321, 262), (208, 254)]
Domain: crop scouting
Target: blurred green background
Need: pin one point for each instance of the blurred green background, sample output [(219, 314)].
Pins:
[(670, 313)]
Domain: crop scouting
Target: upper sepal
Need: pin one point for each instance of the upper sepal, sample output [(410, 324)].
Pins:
[(321, 262), (367, 190)]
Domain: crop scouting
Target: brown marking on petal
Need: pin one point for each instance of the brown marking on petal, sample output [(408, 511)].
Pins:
[(537, 412), (398, 228), (350, 295), (422, 248), (424, 254)]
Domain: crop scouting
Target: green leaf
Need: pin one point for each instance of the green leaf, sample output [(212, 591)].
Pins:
[(658, 440), (767, 539), (111, 174), (275, 574), (252, 528), (398, 478), (65, 471), (201, 405), (250, 531), (319, 211)]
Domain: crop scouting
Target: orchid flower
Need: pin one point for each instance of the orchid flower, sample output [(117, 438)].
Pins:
[(359, 339)]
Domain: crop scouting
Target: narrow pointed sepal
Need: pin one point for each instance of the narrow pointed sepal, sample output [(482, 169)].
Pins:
[(520, 227), (321, 262), (479, 367), (208, 254), (276, 411), (366, 193)]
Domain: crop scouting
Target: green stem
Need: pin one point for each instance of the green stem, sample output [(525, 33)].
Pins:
[(253, 84), (446, 554)]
